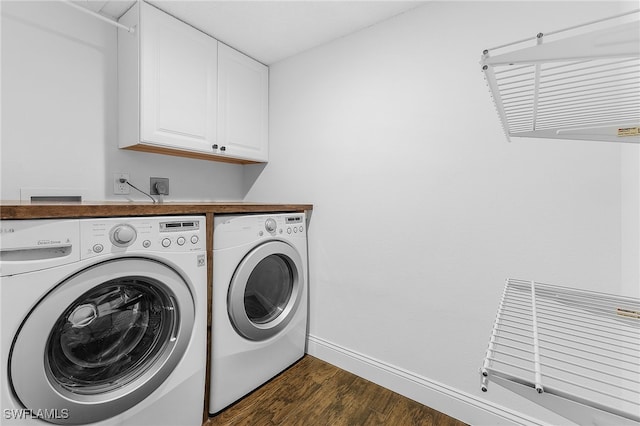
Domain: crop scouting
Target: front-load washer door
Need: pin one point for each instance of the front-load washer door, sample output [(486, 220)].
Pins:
[(102, 341), (266, 290)]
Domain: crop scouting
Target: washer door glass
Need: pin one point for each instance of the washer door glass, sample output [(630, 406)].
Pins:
[(265, 290), (102, 340), (107, 336)]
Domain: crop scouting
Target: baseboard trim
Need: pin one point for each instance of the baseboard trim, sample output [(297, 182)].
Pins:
[(446, 399)]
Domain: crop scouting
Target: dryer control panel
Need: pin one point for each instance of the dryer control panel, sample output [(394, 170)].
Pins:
[(235, 230), (294, 224), (160, 234), (279, 225)]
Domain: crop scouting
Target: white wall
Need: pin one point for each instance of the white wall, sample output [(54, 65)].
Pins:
[(59, 113), (422, 208), (630, 224)]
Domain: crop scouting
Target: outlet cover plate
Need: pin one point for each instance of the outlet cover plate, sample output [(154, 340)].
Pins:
[(118, 187)]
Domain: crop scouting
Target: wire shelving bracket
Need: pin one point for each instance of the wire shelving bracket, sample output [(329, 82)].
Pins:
[(583, 86), (575, 352)]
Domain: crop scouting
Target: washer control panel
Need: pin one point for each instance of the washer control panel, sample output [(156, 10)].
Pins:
[(160, 234), (123, 235), (34, 244)]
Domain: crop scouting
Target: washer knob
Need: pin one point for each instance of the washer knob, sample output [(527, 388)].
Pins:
[(270, 225), (123, 235)]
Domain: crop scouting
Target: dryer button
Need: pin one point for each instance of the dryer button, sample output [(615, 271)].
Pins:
[(146, 244), (295, 230), (288, 230), (194, 239), (270, 225), (166, 242), (98, 248), (181, 241)]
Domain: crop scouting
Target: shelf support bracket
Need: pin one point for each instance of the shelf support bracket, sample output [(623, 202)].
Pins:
[(484, 370), (490, 77), (536, 346), (536, 88), (97, 15)]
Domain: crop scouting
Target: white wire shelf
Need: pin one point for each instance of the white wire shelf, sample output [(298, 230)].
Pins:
[(573, 351), (584, 86)]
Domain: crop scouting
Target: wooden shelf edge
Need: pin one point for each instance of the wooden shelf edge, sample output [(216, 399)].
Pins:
[(26, 210), (154, 149)]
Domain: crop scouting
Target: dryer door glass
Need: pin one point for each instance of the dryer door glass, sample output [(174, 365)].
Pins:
[(107, 336), (268, 289)]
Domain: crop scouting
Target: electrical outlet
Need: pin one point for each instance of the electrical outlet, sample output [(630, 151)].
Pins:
[(121, 187), (159, 186)]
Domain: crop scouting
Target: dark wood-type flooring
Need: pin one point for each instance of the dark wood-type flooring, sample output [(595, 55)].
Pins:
[(313, 392)]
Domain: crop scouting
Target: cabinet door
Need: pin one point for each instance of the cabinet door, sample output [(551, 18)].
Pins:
[(243, 90), (178, 83)]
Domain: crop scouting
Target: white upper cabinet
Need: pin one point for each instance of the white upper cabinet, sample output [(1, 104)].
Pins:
[(243, 104), (178, 68), (170, 82)]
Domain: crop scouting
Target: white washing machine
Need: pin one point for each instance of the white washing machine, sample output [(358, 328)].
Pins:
[(103, 321), (259, 307)]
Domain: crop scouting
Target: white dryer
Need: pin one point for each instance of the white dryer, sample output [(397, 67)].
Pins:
[(103, 321), (259, 307)]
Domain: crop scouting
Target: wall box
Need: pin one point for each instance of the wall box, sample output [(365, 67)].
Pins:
[(183, 93)]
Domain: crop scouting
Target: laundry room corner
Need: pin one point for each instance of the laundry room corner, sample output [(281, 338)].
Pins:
[(423, 208)]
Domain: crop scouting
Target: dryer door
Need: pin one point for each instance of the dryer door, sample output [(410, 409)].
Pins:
[(266, 290), (102, 340)]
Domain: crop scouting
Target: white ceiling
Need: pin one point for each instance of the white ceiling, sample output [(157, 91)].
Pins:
[(270, 31)]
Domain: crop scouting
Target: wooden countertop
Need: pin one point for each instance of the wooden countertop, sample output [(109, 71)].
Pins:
[(46, 210)]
